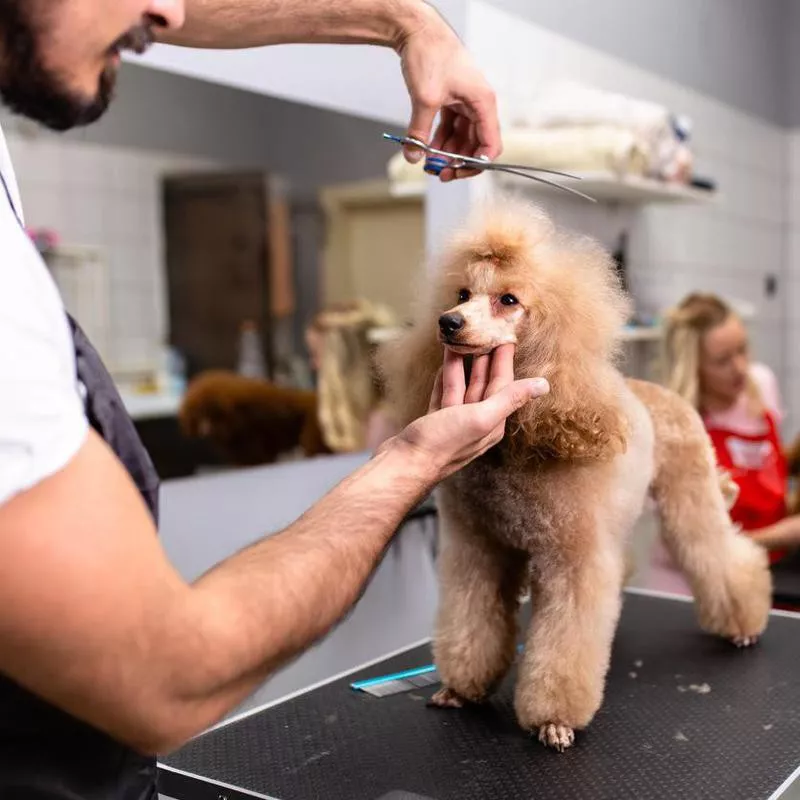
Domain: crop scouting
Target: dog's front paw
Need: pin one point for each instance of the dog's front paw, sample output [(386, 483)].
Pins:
[(559, 737), (745, 641), (447, 698)]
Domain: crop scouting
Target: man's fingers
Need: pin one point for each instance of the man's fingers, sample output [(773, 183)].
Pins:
[(455, 142), (453, 380), (436, 394), (423, 113), (466, 143), (478, 379), (509, 399), (501, 373), (483, 112), (444, 130)]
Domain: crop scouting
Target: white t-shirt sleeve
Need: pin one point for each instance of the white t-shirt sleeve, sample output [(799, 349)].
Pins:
[(42, 419)]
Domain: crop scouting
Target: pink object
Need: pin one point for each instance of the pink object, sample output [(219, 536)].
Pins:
[(43, 238)]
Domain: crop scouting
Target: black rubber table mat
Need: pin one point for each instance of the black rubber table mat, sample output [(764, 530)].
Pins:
[(786, 579), (660, 734)]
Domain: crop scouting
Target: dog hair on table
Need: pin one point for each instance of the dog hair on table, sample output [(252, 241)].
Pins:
[(550, 509)]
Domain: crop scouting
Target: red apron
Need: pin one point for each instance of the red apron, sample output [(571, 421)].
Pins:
[(759, 469)]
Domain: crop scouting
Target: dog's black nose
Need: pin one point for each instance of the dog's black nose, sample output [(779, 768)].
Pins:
[(450, 323)]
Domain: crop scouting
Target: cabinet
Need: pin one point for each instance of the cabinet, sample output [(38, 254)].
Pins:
[(227, 262), (374, 245)]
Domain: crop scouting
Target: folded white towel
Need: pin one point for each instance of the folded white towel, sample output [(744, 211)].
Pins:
[(567, 104)]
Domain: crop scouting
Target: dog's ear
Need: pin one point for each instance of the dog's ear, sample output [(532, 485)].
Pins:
[(408, 365), (578, 420)]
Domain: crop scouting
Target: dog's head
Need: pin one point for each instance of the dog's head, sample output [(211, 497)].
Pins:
[(491, 306), (510, 275)]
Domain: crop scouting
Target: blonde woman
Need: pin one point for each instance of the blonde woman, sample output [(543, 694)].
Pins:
[(351, 410), (707, 361)]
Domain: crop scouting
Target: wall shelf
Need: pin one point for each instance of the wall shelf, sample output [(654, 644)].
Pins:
[(602, 186), (641, 333), (632, 189), (145, 405)]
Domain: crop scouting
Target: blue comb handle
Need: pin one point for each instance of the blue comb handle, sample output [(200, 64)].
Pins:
[(409, 673), (398, 676)]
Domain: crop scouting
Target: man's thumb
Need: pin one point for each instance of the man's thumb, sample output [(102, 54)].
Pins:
[(422, 116), (516, 394)]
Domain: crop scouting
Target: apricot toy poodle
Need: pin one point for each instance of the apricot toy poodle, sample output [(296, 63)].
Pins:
[(550, 509)]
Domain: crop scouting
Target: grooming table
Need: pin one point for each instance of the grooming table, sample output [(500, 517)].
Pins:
[(685, 716), (786, 580)]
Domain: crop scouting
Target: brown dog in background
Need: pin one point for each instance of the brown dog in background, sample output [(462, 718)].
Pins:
[(250, 421)]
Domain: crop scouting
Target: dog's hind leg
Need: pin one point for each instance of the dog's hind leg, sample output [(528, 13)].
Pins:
[(475, 637), (727, 572)]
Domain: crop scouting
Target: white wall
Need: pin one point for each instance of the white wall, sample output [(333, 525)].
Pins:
[(793, 276), (729, 49), (102, 185), (728, 247), (792, 66), (361, 80), (109, 197)]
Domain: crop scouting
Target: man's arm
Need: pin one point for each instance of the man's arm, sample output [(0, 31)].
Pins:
[(94, 619), (439, 73), (785, 533), (254, 23)]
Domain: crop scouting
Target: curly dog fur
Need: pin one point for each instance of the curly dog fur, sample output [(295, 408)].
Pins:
[(251, 421), (550, 509)]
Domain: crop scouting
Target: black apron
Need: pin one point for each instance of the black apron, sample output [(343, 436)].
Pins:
[(46, 754)]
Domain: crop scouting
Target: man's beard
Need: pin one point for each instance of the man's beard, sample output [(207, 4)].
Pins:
[(29, 88)]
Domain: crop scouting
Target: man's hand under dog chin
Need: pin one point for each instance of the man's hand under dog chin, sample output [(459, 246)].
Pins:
[(464, 420)]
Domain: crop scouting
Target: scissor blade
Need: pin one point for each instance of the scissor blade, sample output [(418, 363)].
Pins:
[(550, 183), (469, 162), (527, 168)]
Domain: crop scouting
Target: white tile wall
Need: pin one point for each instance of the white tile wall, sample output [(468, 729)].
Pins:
[(793, 274), (108, 197), (728, 247)]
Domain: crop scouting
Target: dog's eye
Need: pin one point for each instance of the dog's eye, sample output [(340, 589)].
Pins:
[(509, 300), (463, 296)]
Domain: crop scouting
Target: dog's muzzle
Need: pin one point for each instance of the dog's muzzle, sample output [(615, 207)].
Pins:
[(450, 324)]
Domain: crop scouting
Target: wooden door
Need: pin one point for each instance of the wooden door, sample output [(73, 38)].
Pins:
[(218, 258)]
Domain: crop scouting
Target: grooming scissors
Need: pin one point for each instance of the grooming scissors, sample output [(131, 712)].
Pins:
[(438, 160)]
